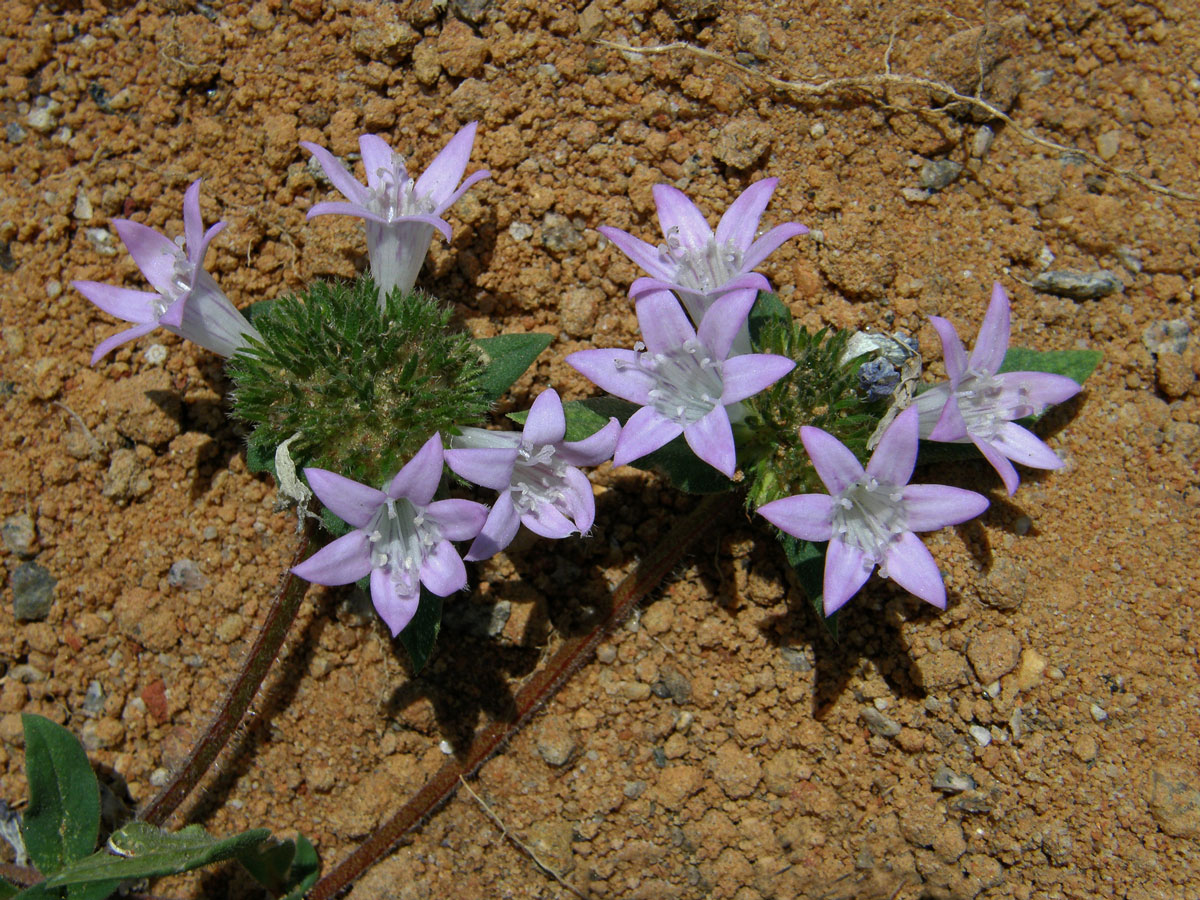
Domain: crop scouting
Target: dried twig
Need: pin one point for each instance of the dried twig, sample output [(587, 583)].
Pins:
[(529, 851), (868, 83)]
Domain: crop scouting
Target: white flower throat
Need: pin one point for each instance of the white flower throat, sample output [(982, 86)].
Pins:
[(401, 536), (395, 195), (183, 273), (688, 382), (980, 401), (537, 477), (869, 515), (703, 271)]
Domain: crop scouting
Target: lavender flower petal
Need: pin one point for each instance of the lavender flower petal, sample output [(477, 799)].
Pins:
[(745, 376), (929, 507), (546, 423), (953, 354), (837, 467), (724, 320), (345, 560), (770, 242), (1034, 391), (806, 516), (350, 501), (546, 521), (676, 213), (594, 449), (1004, 468), (124, 303), (154, 254), (896, 455), (418, 479), (663, 322), (443, 571), (1023, 446), (910, 564), (458, 520), (644, 255), (346, 183), (711, 439), (498, 531), (992, 342), (489, 467), (107, 345), (740, 222), (616, 371), (846, 570), (646, 431), (395, 606)]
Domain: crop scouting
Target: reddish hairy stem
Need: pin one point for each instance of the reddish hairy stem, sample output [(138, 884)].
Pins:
[(284, 607), (533, 694)]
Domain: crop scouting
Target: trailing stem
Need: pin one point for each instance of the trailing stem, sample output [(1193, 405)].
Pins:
[(533, 694), (284, 607)]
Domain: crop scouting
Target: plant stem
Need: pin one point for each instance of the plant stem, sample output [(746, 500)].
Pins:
[(529, 699), (284, 607)]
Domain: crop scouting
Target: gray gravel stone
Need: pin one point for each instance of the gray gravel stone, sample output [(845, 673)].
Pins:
[(879, 724), (939, 173), (948, 781), (33, 592), (1078, 285)]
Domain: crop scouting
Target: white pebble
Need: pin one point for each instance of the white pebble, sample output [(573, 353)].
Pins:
[(1098, 712), (982, 736)]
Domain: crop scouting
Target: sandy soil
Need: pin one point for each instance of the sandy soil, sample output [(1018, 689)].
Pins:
[(717, 747)]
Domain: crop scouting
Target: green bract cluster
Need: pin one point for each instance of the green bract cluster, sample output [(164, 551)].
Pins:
[(821, 391), (361, 388)]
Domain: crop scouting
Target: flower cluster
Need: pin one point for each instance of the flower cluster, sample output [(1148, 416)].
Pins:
[(689, 380), (869, 515), (692, 375)]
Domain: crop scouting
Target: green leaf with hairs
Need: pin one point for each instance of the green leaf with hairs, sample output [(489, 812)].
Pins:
[(62, 821), (506, 357)]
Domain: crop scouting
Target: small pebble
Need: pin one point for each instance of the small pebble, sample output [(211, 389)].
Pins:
[(446, 747), (939, 174), (946, 780), (33, 592), (1030, 669), (1098, 713), (879, 724), (982, 736), (159, 777), (816, 131), (1167, 337), (155, 354), (1022, 525), (1078, 285), (982, 142), (19, 535), (519, 231), (555, 741), (93, 700), (185, 573), (796, 659)]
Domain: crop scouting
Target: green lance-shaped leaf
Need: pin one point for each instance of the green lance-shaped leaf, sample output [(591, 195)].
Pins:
[(507, 356), (283, 866), (140, 850), (420, 635), (1075, 364), (63, 818)]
